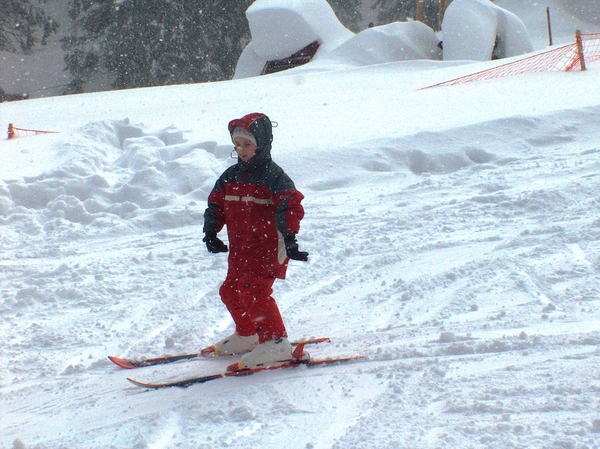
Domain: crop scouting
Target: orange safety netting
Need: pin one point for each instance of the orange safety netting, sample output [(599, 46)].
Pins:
[(591, 46), (16, 132), (563, 58)]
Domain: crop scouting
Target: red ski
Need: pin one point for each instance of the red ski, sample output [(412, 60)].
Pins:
[(132, 364), (184, 383)]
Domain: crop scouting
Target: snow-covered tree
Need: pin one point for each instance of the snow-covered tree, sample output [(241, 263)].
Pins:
[(24, 24), (155, 42)]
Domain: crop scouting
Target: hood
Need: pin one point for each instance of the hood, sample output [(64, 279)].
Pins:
[(261, 128)]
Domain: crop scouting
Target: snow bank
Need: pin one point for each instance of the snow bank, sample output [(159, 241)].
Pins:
[(280, 28), (115, 171), (478, 30)]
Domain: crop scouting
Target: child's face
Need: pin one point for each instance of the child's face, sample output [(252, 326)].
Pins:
[(245, 148)]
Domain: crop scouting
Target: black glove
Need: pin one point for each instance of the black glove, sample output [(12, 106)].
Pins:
[(291, 248), (214, 243)]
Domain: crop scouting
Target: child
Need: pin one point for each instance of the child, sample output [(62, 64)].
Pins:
[(261, 208)]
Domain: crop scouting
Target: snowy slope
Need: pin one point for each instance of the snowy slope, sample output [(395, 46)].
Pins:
[(454, 236)]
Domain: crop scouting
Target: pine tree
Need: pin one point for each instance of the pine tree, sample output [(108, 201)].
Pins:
[(399, 10), (155, 42), (348, 13), (21, 23)]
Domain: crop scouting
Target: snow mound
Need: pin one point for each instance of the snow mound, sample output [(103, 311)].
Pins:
[(472, 30), (113, 171), (398, 41), (478, 30), (280, 29)]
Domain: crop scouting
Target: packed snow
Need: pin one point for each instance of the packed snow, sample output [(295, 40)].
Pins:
[(454, 239)]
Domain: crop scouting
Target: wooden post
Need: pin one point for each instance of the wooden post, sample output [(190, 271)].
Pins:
[(11, 131), (419, 16), (549, 26), (580, 49)]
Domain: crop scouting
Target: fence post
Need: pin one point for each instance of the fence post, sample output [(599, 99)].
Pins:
[(11, 131), (580, 49), (549, 26)]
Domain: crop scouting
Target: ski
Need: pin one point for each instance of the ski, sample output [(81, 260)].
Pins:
[(184, 383), (133, 364)]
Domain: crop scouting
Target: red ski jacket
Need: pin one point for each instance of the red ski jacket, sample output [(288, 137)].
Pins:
[(259, 204)]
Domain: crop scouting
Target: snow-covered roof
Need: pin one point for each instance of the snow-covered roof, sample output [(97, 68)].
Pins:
[(280, 28)]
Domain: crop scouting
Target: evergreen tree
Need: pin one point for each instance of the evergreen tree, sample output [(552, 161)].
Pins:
[(399, 10), (348, 13), (155, 42), (21, 23)]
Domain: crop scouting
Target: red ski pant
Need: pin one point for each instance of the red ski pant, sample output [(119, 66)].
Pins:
[(253, 309)]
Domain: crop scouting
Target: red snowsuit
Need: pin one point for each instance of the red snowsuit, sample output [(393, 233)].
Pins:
[(259, 204)]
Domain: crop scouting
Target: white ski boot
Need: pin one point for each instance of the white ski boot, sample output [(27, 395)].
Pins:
[(232, 345), (269, 353)]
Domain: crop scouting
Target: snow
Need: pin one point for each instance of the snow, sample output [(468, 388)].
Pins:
[(473, 28), (454, 239), (398, 41), (282, 28)]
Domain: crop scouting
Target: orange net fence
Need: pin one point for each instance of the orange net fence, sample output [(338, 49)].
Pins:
[(591, 46), (13, 131), (563, 58)]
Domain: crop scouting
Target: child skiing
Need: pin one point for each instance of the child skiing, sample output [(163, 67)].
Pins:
[(262, 209)]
